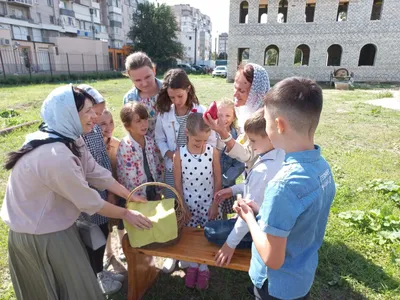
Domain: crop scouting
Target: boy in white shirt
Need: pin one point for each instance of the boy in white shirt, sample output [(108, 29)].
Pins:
[(264, 169)]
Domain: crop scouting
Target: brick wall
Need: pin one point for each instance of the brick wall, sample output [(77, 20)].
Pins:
[(352, 34)]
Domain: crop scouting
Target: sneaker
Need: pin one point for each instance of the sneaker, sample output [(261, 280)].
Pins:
[(183, 264), (191, 277), (107, 285), (202, 279), (169, 265), (115, 276)]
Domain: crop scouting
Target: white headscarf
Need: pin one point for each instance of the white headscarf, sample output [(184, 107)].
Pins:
[(60, 117), (259, 88)]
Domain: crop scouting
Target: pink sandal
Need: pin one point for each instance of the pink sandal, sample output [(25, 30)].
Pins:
[(202, 279), (191, 277)]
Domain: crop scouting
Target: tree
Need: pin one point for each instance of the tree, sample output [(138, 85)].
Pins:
[(154, 31)]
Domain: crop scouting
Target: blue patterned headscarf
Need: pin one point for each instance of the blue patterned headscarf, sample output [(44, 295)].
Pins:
[(259, 88), (60, 118)]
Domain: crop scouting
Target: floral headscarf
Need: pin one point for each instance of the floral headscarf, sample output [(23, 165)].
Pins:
[(259, 88)]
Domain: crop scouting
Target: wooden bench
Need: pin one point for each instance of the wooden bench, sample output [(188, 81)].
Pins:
[(192, 246)]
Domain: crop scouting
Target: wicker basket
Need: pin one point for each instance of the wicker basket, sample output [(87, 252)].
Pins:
[(181, 210)]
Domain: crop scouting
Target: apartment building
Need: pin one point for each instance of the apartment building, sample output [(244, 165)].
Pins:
[(195, 34), (29, 26), (311, 38), (223, 43)]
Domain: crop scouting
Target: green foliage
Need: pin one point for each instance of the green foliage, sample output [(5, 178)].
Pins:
[(385, 228), (57, 78), (154, 31), (9, 113), (389, 188), (384, 94)]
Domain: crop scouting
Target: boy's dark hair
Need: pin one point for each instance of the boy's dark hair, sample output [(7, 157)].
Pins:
[(299, 100), (256, 124), (130, 109), (195, 123), (175, 79), (138, 60)]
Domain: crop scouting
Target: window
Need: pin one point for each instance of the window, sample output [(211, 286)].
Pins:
[(367, 55), (282, 11), (190, 38), (3, 9), (342, 10), (334, 55), (376, 10), (70, 22), (189, 48), (243, 55), (271, 56), (263, 12), (51, 19), (244, 10), (50, 3), (39, 17), (310, 12), (302, 55)]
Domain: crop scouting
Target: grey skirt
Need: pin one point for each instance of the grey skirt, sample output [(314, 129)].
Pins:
[(52, 266)]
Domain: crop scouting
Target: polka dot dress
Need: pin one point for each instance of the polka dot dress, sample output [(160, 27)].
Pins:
[(198, 184)]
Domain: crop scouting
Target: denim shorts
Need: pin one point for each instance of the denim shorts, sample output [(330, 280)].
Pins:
[(217, 233)]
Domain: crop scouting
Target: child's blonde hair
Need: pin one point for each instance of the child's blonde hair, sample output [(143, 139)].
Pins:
[(229, 103), (195, 123)]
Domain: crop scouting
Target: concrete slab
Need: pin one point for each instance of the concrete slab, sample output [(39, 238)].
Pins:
[(392, 103)]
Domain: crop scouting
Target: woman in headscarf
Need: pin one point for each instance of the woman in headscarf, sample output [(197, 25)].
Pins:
[(250, 86), (47, 190)]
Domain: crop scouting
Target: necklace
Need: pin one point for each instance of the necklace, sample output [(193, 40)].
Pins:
[(197, 156)]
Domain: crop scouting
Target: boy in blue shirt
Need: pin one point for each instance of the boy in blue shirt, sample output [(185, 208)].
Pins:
[(290, 226)]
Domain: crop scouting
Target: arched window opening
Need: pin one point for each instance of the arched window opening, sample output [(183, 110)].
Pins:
[(271, 56), (376, 10), (334, 55), (243, 55), (302, 55), (282, 11), (263, 12), (342, 10), (244, 11), (310, 10), (367, 55)]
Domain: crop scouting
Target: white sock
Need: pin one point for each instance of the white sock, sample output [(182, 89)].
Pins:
[(203, 268)]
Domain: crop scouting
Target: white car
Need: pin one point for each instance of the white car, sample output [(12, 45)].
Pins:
[(220, 71)]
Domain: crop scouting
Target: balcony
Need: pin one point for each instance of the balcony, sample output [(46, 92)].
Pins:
[(21, 2), (67, 12), (114, 9)]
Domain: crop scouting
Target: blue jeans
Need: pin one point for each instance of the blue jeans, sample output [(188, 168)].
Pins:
[(217, 232)]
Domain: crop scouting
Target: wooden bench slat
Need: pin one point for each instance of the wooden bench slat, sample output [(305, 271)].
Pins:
[(194, 247)]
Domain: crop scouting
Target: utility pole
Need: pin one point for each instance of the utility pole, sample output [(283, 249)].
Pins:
[(195, 43), (91, 10)]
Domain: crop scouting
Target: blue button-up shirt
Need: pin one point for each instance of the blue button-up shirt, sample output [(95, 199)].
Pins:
[(296, 206)]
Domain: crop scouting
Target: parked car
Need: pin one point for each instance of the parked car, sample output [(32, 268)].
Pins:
[(199, 69), (187, 68), (220, 71)]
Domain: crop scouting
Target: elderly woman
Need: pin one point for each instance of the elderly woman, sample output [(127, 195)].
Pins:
[(251, 85), (47, 190)]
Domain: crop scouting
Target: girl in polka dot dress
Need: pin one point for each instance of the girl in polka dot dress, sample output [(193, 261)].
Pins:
[(197, 174)]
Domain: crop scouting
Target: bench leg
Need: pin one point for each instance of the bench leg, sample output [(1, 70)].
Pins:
[(142, 272)]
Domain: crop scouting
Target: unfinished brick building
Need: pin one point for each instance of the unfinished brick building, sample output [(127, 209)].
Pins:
[(311, 38)]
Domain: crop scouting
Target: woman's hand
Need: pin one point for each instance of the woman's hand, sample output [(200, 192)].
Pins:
[(137, 220), (253, 205), (136, 198), (224, 255), (222, 195), (216, 125)]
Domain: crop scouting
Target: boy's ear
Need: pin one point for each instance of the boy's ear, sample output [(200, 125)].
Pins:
[(187, 132), (280, 125)]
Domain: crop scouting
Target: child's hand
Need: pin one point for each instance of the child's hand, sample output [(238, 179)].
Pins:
[(224, 255), (213, 212), (222, 195), (170, 154), (253, 205), (243, 210)]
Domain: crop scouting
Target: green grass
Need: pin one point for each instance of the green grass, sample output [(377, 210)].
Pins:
[(360, 142)]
